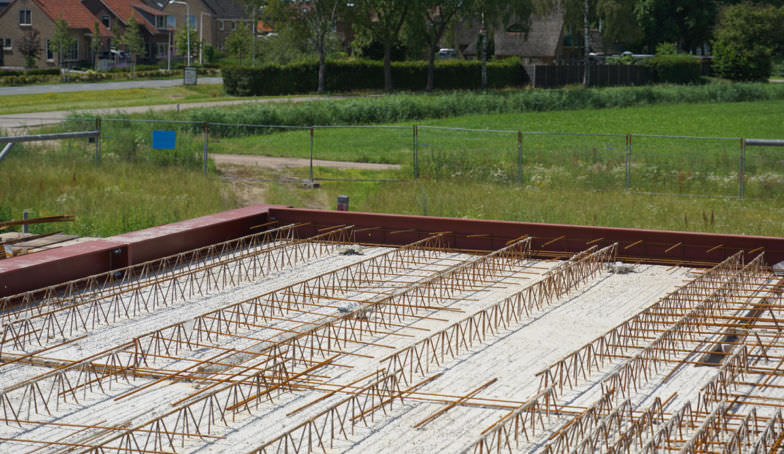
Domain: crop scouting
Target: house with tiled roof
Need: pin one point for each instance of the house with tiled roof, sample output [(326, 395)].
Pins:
[(23, 17), (153, 23), (546, 41)]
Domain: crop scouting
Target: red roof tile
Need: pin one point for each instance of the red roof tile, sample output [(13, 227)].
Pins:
[(124, 9), (74, 12)]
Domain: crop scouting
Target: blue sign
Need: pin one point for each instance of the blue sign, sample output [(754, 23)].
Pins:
[(163, 140)]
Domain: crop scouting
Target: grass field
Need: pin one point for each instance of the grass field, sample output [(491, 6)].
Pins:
[(671, 165), (566, 179), (49, 102)]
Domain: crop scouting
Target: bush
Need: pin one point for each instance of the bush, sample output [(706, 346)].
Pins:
[(346, 75), (745, 40), (676, 69)]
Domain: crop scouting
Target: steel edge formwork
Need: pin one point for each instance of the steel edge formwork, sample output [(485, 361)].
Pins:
[(30, 272)]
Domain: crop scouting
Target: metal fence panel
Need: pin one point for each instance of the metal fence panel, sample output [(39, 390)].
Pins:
[(684, 165), (577, 161)]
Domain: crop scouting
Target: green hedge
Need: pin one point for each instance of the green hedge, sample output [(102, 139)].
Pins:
[(30, 72), (347, 75), (676, 69)]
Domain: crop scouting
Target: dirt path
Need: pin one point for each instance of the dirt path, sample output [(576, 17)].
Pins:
[(268, 162)]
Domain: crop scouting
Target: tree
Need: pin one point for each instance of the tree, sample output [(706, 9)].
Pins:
[(62, 40), (30, 47), (237, 44), (689, 23), (254, 7), (95, 43), (382, 20), (133, 42), (316, 20), (181, 42), (746, 38), (432, 20)]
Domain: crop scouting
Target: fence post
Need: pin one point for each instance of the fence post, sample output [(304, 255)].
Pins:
[(311, 154), (206, 136), (416, 151), (98, 140), (742, 168), (628, 169), (520, 157)]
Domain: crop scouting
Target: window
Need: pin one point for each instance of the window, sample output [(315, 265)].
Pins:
[(161, 49), (25, 17), (161, 22), (6, 43), (72, 53), (233, 25), (220, 25), (193, 23), (106, 22), (49, 53), (171, 21)]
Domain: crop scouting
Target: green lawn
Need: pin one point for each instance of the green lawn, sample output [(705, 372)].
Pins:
[(49, 102), (595, 161), (565, 179)]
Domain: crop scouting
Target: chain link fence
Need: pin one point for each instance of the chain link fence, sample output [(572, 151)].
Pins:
[(710, 166)]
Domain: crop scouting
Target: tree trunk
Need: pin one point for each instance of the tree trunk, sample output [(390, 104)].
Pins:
[(483, 35), (431, 69), (387, 66), (322, 65)]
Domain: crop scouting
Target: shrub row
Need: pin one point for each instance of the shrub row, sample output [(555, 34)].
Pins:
[(92, 76), (676, 69), (30, 72), (347, 75), (408, 107)]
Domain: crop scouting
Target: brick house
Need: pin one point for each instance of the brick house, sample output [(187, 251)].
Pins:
[(153, 23), (24, 16)]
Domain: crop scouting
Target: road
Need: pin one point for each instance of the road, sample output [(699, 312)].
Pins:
[(96, 86), (274, 163), (20, 121)]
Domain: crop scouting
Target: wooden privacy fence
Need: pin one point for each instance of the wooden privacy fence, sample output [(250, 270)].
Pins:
[(551, 76)]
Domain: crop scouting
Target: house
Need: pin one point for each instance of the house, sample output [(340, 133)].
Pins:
[(153, 24), (24, 17), (547, 41), (212, 20)]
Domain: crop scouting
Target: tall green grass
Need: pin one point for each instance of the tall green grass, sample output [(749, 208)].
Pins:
[(113, 197), (409, 107), (488, 200)]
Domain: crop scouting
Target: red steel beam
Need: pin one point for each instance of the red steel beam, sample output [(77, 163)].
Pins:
[(654, 245), (20, 274)]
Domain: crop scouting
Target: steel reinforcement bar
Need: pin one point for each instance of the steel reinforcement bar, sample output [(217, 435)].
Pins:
[(592, 356), (122, 360), (340, 419), (82, 315), (645, 423), (570, 434), (599, 438), (449, 342), (770, 440), (505, 434), (37, 301), (741, 439), (640, 367), (208, 400)]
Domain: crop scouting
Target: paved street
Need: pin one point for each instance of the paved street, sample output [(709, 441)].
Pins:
[(95, 86)]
